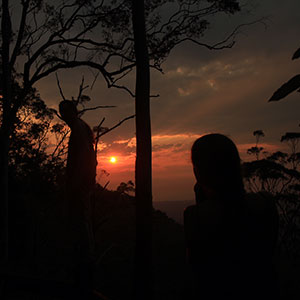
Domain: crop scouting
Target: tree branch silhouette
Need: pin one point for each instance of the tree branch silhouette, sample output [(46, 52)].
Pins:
[(115, 126)]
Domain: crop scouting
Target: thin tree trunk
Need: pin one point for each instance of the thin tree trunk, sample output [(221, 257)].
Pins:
[(5, 126), (143, 288)]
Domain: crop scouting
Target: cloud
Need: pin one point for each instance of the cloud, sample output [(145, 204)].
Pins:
[(160, 143), (124, 147), (156, 148)]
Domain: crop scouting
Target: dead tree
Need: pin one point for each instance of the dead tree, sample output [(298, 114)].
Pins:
[(50, 37)]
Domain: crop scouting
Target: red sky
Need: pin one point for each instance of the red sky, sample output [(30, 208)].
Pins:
[(172, 171), (201, 92)]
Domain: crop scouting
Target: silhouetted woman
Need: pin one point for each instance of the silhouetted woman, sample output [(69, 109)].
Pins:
[(230, 237)]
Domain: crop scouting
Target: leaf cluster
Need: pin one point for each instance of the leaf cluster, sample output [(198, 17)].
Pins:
[(31, 164)]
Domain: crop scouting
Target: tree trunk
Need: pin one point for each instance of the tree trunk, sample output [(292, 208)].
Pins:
[(143, 284), (6, 124)]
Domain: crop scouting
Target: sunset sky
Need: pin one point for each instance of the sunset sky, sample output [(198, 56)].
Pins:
[(201, 91)]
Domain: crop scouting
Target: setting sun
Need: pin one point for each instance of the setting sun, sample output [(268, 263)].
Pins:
[(113, 160)]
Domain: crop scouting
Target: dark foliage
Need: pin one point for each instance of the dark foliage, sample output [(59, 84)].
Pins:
[(278, 176), (32, 165)]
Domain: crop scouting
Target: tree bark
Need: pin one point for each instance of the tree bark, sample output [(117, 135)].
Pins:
[(143, 282), (5, 126)]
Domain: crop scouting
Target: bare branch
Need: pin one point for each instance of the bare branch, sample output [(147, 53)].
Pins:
[(94, 108), (99, 126), (106, 184), (59, 87), (97, 129), (60, 142), (62, 64), (115, 126), (22, 26), (236, 31), (122, 87), (95, 79), (81, 89)]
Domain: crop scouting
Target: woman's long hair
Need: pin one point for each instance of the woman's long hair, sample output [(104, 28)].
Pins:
[(217, 165)]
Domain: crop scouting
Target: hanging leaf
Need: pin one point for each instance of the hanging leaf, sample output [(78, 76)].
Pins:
[(287, 88), (296, 54)]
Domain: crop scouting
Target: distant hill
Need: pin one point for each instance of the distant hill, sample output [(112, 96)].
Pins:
[(173, 209)]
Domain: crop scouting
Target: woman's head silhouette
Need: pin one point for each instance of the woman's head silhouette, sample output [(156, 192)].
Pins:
[(217, 167)]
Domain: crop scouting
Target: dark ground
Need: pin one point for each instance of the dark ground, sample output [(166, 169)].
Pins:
[(41, 252)]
